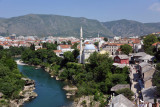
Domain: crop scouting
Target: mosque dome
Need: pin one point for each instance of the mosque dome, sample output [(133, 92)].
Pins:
[(89, 47)]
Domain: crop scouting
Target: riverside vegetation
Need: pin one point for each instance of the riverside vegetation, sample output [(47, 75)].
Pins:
[(12, 82), (94, 78)]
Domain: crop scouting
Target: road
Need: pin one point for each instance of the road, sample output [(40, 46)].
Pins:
[(134, 77)]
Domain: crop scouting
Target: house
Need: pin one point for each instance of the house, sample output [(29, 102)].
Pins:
[(142, 65), (148, 94), (38, 47), (113, 47), (121, 59), (119, 87), (121, 101), (142, 57), (58, 52), (146, 58), (61, 47), (146, 75), (136, 56), (137, 48), (64, 48)]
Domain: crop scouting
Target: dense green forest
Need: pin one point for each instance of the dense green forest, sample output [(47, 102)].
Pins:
[(10, 77), (96, 76)]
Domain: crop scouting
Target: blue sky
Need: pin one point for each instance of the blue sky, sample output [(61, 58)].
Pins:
[(102, 10)]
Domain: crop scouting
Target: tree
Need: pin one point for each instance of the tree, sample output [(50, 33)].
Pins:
[(118, 79), (105, 39), (10, 78), (156, 81), (63, 43), (148, 41), (158, 66), (75, 53), (100, 65), (96, 44), (32, 47), (68, 57), (27, 55), (1, 47), (69, 42), (126, 49), (56, 43), (74, 46), (49, 46), (150, 50), (126, 92)]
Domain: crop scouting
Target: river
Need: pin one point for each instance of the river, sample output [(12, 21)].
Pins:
[(49, 90)]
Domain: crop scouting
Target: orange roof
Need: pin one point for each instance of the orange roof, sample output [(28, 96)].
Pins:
[(131, 45), (119, 44), (65, 46), (101, 37), (7, 37), (87, 42), (75, 42), (154, 44), (57, 51), (135, 40)]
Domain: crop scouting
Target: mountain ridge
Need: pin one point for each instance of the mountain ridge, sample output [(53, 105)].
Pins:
[(57, 25)]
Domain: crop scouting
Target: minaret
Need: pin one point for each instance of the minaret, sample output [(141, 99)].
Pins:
[(98, 43), (81, 38)]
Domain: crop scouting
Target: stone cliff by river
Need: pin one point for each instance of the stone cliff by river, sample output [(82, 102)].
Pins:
[(26, 94)]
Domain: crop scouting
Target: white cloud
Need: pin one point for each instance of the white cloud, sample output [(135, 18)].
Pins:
[(155, 7)]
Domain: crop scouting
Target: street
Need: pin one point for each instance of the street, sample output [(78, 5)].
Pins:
[(134, 79)]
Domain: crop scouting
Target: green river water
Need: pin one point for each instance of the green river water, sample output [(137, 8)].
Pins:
[(49, 90)]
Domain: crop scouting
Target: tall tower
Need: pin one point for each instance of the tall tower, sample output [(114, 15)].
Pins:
[(81, 38), (98, 43)]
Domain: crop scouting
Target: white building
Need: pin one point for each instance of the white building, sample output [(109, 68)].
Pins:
[(87, 51), (137, 47), (117, 38)]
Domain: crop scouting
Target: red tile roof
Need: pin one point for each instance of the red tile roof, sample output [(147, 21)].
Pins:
[(57, 51), (65, 46), (154, 44), (135, 40)]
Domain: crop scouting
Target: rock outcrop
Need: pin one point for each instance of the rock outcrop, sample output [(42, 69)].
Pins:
[(26, 94), (71, 90), (85, 101)]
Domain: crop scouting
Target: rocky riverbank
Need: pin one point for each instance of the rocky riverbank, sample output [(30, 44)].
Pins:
[(26, 94), (19, 62), (86, 101), (71, 90)]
